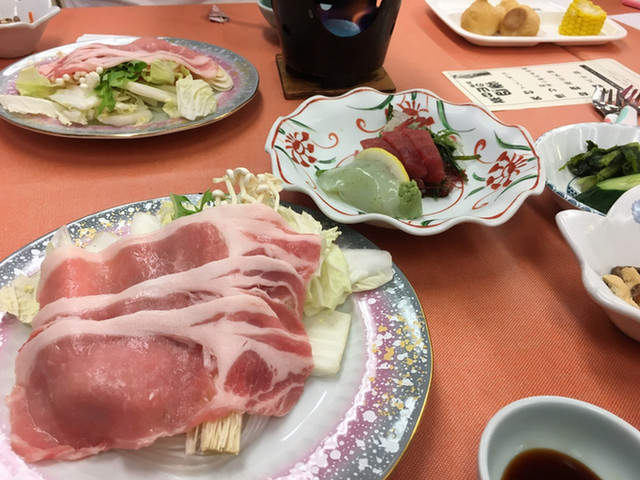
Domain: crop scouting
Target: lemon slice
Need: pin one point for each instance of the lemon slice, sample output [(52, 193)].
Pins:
[(382, 157)]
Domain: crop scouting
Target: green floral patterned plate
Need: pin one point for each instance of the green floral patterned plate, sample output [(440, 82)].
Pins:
[(325, 132)]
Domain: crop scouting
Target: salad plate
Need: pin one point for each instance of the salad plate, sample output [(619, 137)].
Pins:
[(244, 74), (550, 12), (325, 132), (356, 424), (557, 146)]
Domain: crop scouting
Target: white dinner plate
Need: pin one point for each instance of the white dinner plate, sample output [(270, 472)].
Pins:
[(245, 85), (551, 13), (355, 425)]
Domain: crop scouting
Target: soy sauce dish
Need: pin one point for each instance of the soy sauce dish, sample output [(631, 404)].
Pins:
[(555, 431)]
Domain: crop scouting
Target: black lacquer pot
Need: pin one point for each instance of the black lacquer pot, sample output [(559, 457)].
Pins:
[(336, 42)]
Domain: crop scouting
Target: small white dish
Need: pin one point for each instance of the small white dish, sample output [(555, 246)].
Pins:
[(600, 440), (556, 147), (20, 38), (325, 132), (266, 8), (600, 243), (550, 12)]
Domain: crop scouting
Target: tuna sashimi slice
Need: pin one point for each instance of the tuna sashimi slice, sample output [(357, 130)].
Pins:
[(379, 142), (427, 153)]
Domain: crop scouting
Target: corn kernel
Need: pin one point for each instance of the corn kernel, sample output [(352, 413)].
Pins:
[(582, 18)]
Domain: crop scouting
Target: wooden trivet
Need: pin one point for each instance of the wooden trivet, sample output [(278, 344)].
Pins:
[(295, 87)]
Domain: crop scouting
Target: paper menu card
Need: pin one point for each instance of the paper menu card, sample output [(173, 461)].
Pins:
[(532, 86)]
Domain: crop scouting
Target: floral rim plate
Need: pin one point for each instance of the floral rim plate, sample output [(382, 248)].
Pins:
[(551, 13), (355, 425), (557, 146), (324, 132), (244, 75)]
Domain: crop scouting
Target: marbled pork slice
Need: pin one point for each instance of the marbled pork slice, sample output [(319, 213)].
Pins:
[(186, 243), (274, 280), (88, 58), (86, 386)]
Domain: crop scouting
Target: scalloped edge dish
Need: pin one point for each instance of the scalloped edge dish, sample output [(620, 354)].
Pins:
[(323, 132), (551, 13), (357, 423), (244, 75)]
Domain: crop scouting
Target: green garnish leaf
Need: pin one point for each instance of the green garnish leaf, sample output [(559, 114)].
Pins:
[(183, 206), (115, 78)]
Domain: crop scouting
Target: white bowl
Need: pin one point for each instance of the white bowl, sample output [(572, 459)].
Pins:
[(324, 132), (20, 38), (603, 442), (602, 242), (267, 12), (556, 147)]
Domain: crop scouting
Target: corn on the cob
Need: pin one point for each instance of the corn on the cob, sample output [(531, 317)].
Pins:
[(582, 18)]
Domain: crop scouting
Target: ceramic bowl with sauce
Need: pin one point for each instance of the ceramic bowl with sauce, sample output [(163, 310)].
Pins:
[(542, 429)]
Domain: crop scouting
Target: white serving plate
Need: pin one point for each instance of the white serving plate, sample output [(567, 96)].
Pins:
[(551, 13)]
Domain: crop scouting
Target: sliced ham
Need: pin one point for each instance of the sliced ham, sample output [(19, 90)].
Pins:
[(189, 242), (88, 58), (85, 386), (161, 332)]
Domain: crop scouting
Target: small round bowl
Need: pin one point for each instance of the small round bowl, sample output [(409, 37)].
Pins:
[(267, 12), (603, 442), (556, 147), (20, 38), (600, 243)]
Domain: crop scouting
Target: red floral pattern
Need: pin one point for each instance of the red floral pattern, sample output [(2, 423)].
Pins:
[(500, 174), (301, 149), (415, 109)]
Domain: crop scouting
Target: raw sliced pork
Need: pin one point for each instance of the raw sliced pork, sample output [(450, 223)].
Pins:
[(147, 49), (274, 280), (186, 243), (212, 325)]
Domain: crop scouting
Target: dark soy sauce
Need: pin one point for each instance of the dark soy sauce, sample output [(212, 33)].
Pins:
[(546, 464)]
